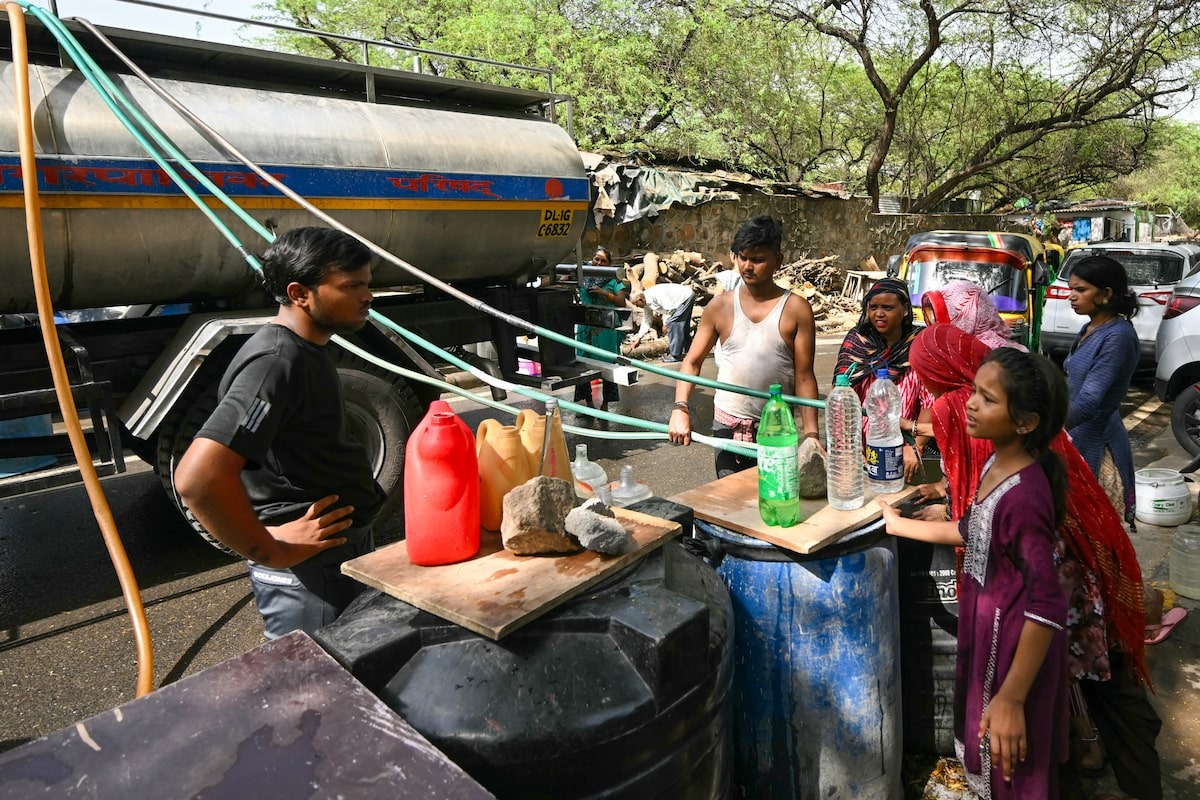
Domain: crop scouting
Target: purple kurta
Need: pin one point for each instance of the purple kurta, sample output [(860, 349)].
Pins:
[(1009, 577)]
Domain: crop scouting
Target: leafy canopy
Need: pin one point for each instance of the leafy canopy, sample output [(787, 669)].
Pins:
[(931, 99)]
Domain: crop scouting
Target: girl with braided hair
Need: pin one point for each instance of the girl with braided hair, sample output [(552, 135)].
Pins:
[(1010, 699)]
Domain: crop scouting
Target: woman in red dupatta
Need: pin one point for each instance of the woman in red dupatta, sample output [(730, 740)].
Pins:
[(1097, 560)]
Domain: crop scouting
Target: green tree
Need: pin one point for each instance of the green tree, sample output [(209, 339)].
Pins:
[(932, 99), (673, 79), (1046, 69), (620, 60), (1172, 180)]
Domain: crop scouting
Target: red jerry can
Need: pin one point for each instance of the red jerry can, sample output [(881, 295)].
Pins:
[(441, 490)]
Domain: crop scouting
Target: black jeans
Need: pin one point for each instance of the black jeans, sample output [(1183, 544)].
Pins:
[(611, 392), (679, 330), (726, 462), (1128, 726)]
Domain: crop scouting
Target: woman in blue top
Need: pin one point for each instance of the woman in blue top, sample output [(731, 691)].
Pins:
[(1099, 367)]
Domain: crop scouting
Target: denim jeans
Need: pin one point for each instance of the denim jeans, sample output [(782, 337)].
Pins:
[(311, 594), (679, 329)]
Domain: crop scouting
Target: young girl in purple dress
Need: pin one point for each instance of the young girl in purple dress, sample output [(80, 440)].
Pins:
[(1011, 716)]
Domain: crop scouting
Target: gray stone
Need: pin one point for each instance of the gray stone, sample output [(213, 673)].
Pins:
[(811, 464), (534, 518), (599, 533)]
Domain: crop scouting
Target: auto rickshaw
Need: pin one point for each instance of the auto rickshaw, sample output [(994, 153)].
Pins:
[(1027, 245), (1011, 268)]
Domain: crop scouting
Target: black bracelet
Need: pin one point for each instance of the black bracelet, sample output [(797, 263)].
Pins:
[(813, 435), (681, 405)]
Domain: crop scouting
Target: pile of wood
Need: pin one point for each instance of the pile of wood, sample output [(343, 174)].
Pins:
[(819, 280), (682, 266)]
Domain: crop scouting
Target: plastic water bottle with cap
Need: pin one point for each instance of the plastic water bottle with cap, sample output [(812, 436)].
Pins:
[(778, 465), (885, 443), (843, 440)]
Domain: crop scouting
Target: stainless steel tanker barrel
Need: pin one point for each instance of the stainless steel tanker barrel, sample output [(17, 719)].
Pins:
[(468, 197)]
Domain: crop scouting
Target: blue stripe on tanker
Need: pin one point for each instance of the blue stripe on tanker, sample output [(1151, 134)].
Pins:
[(108, 176)]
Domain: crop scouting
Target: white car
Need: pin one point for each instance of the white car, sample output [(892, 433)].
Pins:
[(1178, 370), (1153, 268)]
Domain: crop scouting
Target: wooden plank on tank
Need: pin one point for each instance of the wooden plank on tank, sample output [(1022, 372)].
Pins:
[(498, 591), (732, 502)]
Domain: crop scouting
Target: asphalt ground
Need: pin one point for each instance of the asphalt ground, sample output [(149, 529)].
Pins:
[(67, 651)]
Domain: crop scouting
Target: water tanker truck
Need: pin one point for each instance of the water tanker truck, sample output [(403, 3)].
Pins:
[(474, 183)]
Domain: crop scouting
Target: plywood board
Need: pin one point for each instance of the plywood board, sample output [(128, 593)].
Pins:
[(283, 720), (497, 591), (732, 502)]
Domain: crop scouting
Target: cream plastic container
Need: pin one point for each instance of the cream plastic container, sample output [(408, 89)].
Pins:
[(1162, 497)]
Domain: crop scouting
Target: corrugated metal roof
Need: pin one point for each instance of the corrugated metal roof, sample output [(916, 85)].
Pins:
[(1097, 205)]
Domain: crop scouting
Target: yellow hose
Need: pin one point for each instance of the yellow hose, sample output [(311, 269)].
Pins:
[(62, 383)]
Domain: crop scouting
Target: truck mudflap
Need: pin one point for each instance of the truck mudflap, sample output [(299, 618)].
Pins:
[(163, 386)]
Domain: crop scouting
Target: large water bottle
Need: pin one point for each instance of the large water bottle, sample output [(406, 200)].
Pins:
[(885, 443), (588, 474), (1184, 561), (441, 491), (778, 475), (627, 491), (843, 439)]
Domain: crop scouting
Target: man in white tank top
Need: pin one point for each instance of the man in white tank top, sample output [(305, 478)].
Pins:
[(767, 335)]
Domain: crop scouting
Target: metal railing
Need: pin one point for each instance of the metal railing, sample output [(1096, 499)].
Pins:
[(365, 44)]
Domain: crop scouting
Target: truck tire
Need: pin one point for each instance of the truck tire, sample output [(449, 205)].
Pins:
[(381, 410), (1185, 419)]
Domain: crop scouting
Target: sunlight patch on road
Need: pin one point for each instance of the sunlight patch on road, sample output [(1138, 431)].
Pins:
[(1142, 412)]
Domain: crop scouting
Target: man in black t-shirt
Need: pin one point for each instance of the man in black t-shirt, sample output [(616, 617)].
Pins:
[(272, 474)]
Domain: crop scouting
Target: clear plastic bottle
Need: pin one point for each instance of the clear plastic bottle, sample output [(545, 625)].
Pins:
[(843, 439), (1185, 561), (588, 474), (885, 443), (627, 491), (778, 476)]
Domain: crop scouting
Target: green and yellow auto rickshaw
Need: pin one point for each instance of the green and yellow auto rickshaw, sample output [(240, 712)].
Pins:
[(1010, 267)]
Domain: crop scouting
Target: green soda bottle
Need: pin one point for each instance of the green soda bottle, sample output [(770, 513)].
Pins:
[(778, 476)]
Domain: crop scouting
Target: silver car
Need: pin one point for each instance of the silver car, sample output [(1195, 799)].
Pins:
[(1178, 351), (1153, 269)]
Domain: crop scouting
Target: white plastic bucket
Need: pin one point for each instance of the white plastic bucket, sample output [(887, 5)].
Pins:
[(1162, 497)]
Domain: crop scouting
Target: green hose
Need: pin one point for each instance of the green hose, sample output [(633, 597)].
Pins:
[(115, 99)]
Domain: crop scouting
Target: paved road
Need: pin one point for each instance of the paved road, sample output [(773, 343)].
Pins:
[(66, 651)]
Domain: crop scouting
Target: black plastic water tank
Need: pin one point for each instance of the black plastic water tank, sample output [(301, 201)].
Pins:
[(928, 645), (619, 693)]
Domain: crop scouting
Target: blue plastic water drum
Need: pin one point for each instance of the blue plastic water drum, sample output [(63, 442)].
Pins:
[(24, 427), (816, 696)]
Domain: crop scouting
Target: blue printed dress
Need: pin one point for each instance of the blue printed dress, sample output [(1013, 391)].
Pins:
[(1099, 369)]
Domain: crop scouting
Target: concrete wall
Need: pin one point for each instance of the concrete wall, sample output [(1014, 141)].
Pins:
[(813, 228)]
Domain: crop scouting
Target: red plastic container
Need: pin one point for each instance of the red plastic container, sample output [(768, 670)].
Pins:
[(441, 490)]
